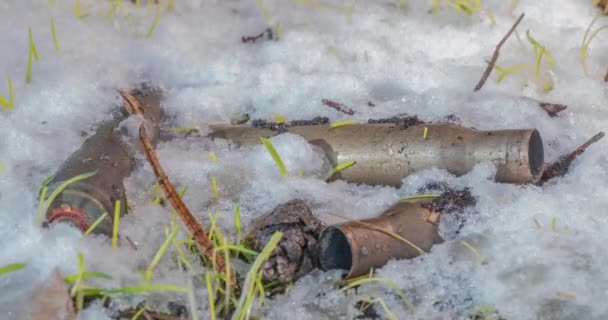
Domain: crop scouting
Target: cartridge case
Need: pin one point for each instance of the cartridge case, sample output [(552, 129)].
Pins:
[(107, 154), (386, 153), (359, 245)]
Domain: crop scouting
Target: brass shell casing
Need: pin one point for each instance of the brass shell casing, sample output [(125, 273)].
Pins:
[(387, 153), (359, 245)]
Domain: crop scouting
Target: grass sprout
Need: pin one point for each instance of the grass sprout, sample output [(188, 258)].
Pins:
[(216, 193), (420, 196), (275, 156), (64, 185), (87, 275), (11, 268), (389, 314), (210, 296), (10, 103), (237, 222), (474, 251), (390, 283), (159, 9), (343, 166), (540, 52), (503, 72), (54, 32), (341, 123), (139, 313), (116, 223), (33, 55), (425, 133), (264, 9), (143, 289), (403, 5), (159, 254), (94, 225), (249, 288), (2, 170), (587, 38)]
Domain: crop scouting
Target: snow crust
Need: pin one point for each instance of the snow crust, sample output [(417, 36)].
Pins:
[(402, 61)]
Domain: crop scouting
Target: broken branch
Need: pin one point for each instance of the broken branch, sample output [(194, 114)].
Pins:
[(252, 39), (338, 106), (561, 166), (492, 62), (198, 234)]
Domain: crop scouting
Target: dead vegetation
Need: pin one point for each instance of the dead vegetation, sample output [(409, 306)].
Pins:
[(560, 167)]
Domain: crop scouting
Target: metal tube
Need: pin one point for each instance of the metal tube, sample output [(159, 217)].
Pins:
[(105, 152), (386, 153), (358, 246)]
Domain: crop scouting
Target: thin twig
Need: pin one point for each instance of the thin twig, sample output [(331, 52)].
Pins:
[(488, 70), (198, 234), (562, 165), (252, 39), (552, 109), (338, 106)]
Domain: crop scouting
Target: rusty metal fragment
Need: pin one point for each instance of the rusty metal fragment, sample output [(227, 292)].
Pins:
[(385, 153)]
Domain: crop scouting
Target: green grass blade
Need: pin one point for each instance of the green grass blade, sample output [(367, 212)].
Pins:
[(386, 281), (420, 196), (10, 104), (249, 288), (156, 19), (2, 170), (116, 224), (79, 275), (138, 313), (11, 268), (210, 296), (33, 45), (159, 254), (87, 275), (94, 225), (237, 222), (275, 156), (264, 10), (64, 185), (216, 193), (54, 32), (341, 123), (144, 289), (236, 248), (343, 166)]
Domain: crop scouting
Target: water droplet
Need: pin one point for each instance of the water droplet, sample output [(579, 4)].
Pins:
[(364, 251)]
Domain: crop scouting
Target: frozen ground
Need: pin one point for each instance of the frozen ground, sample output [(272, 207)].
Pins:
[(403, 61)]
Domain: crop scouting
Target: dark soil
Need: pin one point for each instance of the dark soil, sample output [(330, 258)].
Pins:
[(404, 122), (560, 167), (315, 121), (452, 201), (253, 39), (270, 125)]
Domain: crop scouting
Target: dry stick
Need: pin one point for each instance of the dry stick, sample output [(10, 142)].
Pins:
[(338, 106), (252, 39), (199, 235), (492, 62), (560, 167)]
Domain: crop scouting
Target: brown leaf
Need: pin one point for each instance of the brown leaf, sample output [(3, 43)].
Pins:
[(52, 300)]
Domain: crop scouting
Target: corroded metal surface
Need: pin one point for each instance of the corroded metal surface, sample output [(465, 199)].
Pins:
[(107, 154), (358, 246)]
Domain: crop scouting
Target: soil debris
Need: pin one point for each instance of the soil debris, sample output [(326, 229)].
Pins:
[(338, 106), (552, 109), (297, 253), (253, 39), (452, 201), (404, 122), (314, 122), (490, 67), (560, 167), (270, 125)]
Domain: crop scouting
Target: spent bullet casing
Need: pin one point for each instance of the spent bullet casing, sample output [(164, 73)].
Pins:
[(386, 153)]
